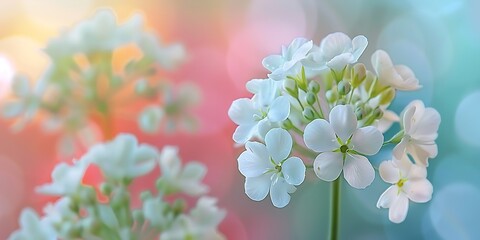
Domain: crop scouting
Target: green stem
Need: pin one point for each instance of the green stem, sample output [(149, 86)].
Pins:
[(335, 209)]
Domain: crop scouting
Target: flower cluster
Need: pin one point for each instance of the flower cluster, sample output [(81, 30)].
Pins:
[(318, 104), (105, 212), (88, 81)]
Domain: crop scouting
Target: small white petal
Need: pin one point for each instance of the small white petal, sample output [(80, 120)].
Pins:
[(252, 165), (328, 165), (242, 111), (293, 171), (367, 140), (343, 121), (388, 197), (279, 110), (419, 191), (416, 172), (279, 191), (407, 117), (421, 153), (359, 44), (272, 62), (399, 150), (279, 144), (243, 133), (358, 171), (398, 210), (257, 188), (340, 61), (319, 136), (426, 127), (389, 172)]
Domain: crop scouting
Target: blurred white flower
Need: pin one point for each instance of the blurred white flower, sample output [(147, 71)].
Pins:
[(341, 146), (66, 178), (150, 118), (123, 158), (59, 212), (337, 50), (420, 127), (269, 168), (200, 224), (400, 77), (168, 57), (32, 227), (255, 116), (155, 211), (187, 179), (288, 63), (409, 183)]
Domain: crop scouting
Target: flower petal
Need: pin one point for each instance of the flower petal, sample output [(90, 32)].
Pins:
[(254, 163), (293, 171), (343, 121), (340, 61), (389, 172), (420, 153), (243, 133), (328, 165), (279, 110), (358, 171), (257, 188), (388, 197), (399, 149), (279, 144), (426, 127), (398, 211), (242, 111), (359, 44), (319, 136), (279, 191), (419, 191), (272, 62), (367, 140)]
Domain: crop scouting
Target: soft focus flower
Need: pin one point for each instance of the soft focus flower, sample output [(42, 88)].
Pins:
[(32, 227), (149, 119), (420, 126), (154, 210), (123, 158), (168, 57), (400, 77), (60, 211), (187, 179), (255, 116), (337, 50), (269, 168), (340, 144), (409, 183), (200, 224), (66, 178), (288, 63)]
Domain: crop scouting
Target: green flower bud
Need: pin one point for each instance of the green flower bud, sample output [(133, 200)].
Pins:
[(88, 195), (308, 113), (360, 113), (138, 215), (314, 87), (178, 206), (359, 73), (331, 95), (377, 113), (106, 189), (344, 87), (290, 86), (310, 98), (287, 124), (387, 96)]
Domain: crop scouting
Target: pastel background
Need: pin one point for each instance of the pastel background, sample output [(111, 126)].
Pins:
[(226, 41)]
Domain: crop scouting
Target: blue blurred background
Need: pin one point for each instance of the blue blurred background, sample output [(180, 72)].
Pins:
[(226, 41)]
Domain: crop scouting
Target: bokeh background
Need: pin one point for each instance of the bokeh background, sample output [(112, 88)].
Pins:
[(226, 41)]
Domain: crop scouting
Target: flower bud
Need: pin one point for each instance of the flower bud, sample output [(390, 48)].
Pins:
[(106, 189), (359, 73), (290, 86), (178, 206), (360, 113), (314, 87), (310, 98), (331, 95), (387, 96), (287, 124), (377, 113), (308, 113), (138, 215), (344, 87)]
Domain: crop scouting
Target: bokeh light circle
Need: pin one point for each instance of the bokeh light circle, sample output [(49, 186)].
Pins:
[(467, 118)]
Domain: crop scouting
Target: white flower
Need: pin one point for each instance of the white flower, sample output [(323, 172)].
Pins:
[(268, 168), (168, 57), (255, 116), (420, 126), (187, 179), (337, 50), (409, 183), (288, 63), (66, 178), (123, 158), (340, 144), (149, 119), (200, 224), (400, 77), (154, 210), (32, 227)]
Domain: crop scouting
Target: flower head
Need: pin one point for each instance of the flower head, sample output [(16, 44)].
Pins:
[(66, 178), (342, 145), (32, 227), (269, 168), (420, 126), (400, 77), (408, 181)]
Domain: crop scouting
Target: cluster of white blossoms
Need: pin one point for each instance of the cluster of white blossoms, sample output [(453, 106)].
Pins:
[(84, 84), (105, 212), (319, 109)]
